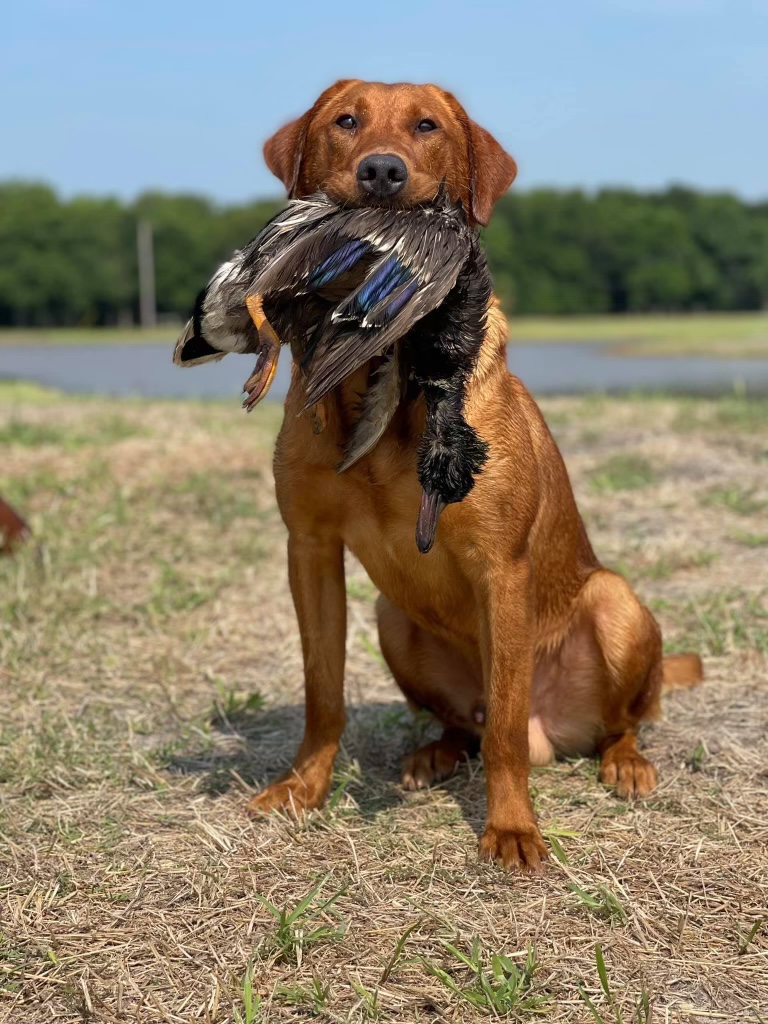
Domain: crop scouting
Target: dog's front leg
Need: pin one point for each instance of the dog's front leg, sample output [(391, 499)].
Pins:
[(511, 835), (316, 574)]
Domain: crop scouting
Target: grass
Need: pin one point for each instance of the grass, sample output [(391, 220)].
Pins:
[(750, 540), (251, 1008), (300, 927), (728, 412), (152, 679), (87, 335), (718, 334), (622, 473), (736, 498), (719, 622), (495, 985), (713, 334), (641, 1011), (601, 902), (33, 434)]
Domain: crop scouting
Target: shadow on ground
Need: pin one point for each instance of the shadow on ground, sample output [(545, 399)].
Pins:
[(255, 746)]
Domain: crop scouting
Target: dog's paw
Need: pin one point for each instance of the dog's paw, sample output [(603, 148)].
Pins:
[(515, 849), (631, 774), (428, 765), (292, 795)]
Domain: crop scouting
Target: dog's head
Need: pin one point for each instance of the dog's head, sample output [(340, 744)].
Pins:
[(367, 142)]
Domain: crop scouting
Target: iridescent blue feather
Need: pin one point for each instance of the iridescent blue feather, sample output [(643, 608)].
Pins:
[(387, 277), (389, 311), (338, 263)]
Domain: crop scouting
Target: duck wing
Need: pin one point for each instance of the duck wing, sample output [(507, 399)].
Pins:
[(422, 254), (382, 310)]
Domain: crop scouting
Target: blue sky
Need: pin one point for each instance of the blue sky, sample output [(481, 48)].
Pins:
[(114, 96)]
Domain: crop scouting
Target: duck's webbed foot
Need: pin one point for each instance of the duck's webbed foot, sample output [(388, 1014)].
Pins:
[(260, 381)]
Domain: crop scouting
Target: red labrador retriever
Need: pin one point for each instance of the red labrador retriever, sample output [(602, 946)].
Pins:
[(509, 631)]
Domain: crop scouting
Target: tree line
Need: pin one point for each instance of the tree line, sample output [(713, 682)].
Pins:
[(73, 262)]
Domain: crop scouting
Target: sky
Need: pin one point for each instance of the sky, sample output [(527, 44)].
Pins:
[(119, 96)]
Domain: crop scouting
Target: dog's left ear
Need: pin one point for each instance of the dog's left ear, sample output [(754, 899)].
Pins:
[(491, 171)]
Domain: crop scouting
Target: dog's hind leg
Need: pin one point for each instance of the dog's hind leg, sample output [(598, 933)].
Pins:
[(629, 679), (436, 761), (439, 679)]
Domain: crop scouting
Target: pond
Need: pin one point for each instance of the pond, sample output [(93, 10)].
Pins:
[(549, 368)]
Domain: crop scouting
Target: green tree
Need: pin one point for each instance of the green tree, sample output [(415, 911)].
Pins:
[(552, 252)]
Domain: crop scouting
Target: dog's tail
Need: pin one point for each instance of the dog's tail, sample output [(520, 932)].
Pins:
[(682, 671)]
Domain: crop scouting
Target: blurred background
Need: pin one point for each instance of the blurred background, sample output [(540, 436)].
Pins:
[(150, 663), (131, 166)]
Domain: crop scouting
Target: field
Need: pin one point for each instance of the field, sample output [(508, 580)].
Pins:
[(715, 334), (152, 678)]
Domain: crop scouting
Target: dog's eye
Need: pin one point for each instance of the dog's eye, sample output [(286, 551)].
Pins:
[(346, 121), (426, 126)]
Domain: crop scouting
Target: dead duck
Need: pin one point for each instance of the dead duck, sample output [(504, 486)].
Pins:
[(343, 286), (397, 265)]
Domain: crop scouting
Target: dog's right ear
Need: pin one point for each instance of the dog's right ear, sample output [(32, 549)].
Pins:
[(284, 151)]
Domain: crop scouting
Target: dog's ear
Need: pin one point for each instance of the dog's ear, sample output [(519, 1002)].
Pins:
[(491, 171), (284, 151)]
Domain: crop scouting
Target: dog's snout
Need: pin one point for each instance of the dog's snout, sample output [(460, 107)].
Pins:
[(382, 174)]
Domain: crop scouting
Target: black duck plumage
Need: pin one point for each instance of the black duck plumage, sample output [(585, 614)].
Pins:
[(442, 354)]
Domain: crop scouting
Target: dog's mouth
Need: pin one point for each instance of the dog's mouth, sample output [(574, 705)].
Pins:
[(420, 188), (382, 202), (359, 200)]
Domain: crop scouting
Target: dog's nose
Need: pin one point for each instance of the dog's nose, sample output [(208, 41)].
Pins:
[(382, 174)]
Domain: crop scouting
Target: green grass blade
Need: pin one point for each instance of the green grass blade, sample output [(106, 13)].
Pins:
[(602, 973), (400, 945), (591, 1006)]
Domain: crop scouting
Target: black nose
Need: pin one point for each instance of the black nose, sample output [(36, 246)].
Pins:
[(382, 174)]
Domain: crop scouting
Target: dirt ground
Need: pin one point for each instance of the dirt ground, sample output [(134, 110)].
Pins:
[(151, 675)]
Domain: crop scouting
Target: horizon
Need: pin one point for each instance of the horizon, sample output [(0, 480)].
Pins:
[(635, 94), (515, 189)]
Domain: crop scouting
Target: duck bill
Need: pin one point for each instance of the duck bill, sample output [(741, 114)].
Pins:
[(260, 381), (426, 525)]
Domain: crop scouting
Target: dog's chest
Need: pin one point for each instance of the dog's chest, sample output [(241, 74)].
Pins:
[(380, 503), (373, 508)]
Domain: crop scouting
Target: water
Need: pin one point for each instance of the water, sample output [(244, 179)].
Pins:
[(552, 368)]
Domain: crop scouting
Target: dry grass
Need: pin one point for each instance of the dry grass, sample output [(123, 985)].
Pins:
[(151, 668), (707, 334)]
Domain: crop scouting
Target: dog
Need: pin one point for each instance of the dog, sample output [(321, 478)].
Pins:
[(510, 631), (13, 529)]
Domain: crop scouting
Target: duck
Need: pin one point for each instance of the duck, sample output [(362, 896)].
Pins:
[(343, 286)]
